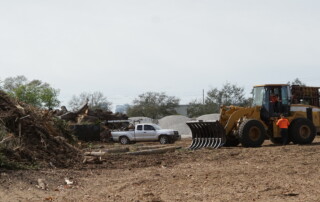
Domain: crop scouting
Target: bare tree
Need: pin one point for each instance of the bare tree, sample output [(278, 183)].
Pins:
[(297, 81), (96, 100), (11, 83)]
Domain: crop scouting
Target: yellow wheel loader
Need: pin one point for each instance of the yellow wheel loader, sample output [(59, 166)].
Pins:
[(251, 126)]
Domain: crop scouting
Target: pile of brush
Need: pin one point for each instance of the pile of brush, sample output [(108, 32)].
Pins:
[(32, 136)]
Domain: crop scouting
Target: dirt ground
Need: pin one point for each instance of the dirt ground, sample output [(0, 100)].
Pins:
[(268, 173)]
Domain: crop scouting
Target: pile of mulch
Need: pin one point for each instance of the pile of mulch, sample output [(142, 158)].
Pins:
[(37, 137)]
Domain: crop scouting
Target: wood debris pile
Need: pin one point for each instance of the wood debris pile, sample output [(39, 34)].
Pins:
[(87, 116), (34, 136)]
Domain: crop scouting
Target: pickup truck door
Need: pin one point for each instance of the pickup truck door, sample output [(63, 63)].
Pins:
[(150, 132), (145, 133), (139, 133)]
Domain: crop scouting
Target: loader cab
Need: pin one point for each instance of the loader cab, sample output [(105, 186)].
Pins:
[(274, 100)]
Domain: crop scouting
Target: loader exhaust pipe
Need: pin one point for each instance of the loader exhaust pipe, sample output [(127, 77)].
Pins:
[(206, 134)]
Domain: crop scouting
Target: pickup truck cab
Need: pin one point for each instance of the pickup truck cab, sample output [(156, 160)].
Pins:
[(146, 132)]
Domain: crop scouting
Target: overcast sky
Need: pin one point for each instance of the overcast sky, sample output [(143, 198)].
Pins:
[(124, 48)]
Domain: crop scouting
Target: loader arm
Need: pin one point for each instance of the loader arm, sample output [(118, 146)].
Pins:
[(239, 115)]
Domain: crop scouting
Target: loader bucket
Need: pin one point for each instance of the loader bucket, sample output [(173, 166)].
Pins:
[(206, 134)]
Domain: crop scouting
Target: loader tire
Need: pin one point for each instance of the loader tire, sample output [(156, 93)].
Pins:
[(252, 133), (302, 131)]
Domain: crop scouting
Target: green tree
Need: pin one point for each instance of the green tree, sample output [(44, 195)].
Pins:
[(154, 105), (35, 92), (229, 94), (197, 108), (96, 100), (49, 97)]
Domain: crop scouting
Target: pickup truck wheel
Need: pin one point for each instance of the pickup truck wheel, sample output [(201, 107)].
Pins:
[(164, 139), (124, 140)]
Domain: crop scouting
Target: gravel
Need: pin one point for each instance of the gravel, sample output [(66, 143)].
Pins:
[(176, 122)]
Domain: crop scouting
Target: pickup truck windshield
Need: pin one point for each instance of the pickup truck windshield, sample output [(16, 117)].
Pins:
[(148, 127), (157, 127)]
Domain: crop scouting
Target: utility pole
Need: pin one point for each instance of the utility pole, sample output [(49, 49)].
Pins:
[(203, 96)]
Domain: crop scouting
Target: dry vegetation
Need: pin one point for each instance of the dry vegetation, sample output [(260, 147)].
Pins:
[(268, 173)]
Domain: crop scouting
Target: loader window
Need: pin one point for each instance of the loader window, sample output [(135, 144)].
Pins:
[(282, 104), (285, 95), (258, 96)]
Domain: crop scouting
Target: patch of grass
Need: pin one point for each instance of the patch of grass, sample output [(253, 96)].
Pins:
[(90, 145)]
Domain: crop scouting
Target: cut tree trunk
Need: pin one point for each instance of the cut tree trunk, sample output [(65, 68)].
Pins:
[(105, 152), (151, 147), (154, 151), (92, 159)]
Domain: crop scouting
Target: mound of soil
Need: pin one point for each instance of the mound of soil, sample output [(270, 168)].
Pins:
[(34, 136)]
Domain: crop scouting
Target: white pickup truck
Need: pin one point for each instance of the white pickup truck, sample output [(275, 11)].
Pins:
[(146, 132)]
